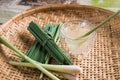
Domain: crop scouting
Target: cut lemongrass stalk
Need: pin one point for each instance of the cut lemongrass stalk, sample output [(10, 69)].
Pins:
[(24, 64), (65, 75), (57, 68), (68, 76), (57, 33), (47, 58), (34, 63), (17, 55), (98, 25), (41, 76)]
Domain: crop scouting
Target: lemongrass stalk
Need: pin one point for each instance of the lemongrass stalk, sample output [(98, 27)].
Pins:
[(68, 76), (17, 55), (99, 25), (47, 60), (41, 76), (24, 64), (57, 33), (9, 45), (57, 68), (63, 68)]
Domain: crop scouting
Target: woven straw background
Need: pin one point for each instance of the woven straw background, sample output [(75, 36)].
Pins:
[(103, 62)]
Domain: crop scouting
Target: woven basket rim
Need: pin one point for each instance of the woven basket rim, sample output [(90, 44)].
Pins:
[(50, 7)]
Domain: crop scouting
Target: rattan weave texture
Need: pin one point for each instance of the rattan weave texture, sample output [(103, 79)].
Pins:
[(103, 62)]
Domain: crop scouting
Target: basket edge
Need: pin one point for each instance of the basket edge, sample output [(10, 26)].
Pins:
[(31, 11)]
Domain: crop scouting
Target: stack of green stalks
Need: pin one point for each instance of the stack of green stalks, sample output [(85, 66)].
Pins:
[(44, 48)]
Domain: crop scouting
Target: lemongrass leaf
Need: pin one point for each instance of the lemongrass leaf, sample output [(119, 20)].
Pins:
[(99, 25), (57, 68)]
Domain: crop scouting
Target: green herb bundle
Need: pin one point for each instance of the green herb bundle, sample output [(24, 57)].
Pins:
[(37, 51), (48, 43)]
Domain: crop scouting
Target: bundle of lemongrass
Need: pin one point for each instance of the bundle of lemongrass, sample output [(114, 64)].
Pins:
[(47, 38)]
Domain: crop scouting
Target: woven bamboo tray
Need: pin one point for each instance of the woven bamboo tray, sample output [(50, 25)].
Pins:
[(103, 62)]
